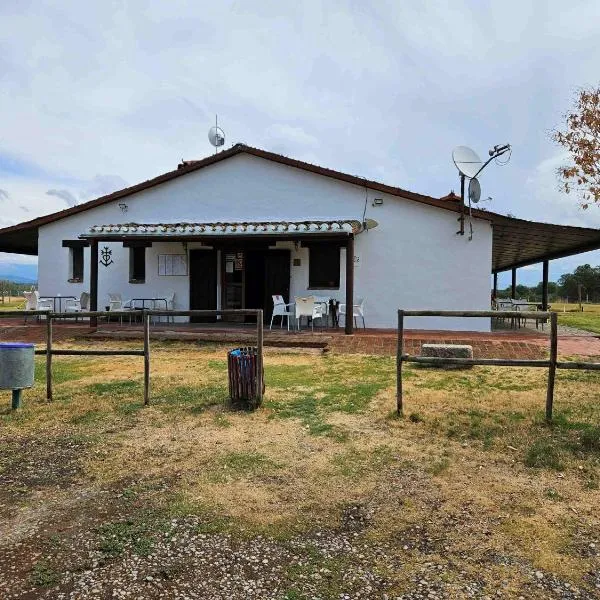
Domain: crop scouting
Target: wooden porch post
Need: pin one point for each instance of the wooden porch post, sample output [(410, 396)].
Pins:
[(513, 289), (495, 285), (349, 329), (93, 281), (545, 285)]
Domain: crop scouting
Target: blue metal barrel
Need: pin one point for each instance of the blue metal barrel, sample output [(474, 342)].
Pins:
[(16, 366)]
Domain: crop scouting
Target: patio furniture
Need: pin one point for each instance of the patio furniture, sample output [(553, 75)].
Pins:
[(324, 302), (148, 303), (306, 307), (33, 302), (170, 298), (280, 309), (358, 311), (57, 301), (116, 304), (76, 306)]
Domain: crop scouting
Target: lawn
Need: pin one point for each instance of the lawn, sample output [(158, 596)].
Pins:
[(14, 304), (571, 316), (322, 493)]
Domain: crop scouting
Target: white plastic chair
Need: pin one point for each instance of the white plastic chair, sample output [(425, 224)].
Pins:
[(77, 306), (324, 302), (33, 302), (306, 307), (358, 311), (116, 304), (170, 305), (280, 309)]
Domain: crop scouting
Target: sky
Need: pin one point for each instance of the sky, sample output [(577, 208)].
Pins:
[(98, 95)]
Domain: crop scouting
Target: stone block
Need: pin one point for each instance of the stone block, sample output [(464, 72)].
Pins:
[(447, 351)]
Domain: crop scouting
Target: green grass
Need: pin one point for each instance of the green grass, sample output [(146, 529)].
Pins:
[(135, 535), (354, 463), (242, 465), (192, 397), (63, 370), (43, 575), (331, 391), (588, 320), (123, 387)]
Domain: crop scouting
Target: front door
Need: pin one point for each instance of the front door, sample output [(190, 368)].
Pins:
[(277, 279), (233, 269), (203, 282)]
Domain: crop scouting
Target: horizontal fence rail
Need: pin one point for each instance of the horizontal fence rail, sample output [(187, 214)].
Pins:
[(551, 364)]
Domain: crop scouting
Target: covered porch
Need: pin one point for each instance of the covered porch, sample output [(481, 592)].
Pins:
[(239, 265)]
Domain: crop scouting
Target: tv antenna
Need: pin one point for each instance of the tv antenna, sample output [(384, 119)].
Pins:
[(216, 136), (469, 166)]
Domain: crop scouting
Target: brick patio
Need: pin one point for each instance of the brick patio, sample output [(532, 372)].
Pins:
[(520, 343)]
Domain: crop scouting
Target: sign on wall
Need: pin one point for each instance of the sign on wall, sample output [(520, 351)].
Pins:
[(172, 264)]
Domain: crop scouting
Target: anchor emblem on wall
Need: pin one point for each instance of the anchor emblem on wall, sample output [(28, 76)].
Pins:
[(106, 256)]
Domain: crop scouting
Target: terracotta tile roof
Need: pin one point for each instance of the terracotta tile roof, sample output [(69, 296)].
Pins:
[(222, 228), (451, 197)]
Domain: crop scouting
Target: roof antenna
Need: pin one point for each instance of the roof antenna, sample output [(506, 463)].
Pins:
[(216, 136)]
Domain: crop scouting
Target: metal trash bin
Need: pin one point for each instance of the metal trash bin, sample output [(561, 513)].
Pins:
[(16, 369), (242, 368)]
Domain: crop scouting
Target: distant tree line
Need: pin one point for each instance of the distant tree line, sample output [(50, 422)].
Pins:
[(15, 289), (567, 287)]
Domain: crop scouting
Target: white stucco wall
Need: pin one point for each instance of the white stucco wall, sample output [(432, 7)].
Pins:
[(412, 260)]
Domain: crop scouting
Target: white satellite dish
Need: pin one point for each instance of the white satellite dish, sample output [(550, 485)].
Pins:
[(466, 161), (474, 191), (216, 136)]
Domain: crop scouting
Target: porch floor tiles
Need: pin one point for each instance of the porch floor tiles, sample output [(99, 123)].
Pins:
[(520, 343)]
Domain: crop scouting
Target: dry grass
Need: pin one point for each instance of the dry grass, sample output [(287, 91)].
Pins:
[(327, 437)]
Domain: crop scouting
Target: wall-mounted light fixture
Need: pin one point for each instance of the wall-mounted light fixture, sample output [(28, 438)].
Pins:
[(123, 207), (377, 201)]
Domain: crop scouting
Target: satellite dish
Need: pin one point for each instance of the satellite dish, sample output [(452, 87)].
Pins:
[(474, 191), (466, 161), (216, 136)]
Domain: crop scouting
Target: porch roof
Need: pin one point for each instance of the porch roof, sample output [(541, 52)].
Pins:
[(223, 230)]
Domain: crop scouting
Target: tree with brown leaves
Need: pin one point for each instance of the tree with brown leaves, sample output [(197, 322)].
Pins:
[(581, 137)]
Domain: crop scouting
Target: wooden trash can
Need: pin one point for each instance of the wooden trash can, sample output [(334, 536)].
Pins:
[(242, 367)]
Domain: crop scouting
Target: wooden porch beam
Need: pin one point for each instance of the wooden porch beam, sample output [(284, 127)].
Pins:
[(349, 328), (545, 270), (513, 285), (93, 281)]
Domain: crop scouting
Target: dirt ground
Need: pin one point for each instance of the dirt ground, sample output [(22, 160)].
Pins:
[(324, 492)]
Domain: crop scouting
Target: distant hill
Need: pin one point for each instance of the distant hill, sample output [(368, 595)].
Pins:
[(19, 273), (17, 279)]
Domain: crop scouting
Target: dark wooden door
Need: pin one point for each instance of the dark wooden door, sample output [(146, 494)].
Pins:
[(277, 279), (203, 282)]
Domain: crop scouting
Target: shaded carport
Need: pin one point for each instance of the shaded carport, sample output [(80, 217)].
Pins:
[(519, 243)]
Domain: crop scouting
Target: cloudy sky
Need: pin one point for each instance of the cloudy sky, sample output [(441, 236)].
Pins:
[(100, 94)]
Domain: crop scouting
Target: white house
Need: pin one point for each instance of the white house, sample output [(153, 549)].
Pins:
[(232, 229)]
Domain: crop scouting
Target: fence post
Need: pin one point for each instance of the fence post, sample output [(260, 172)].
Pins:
[(259, 355), (399, 350), (48, 357), (552, 367), (146, 358)]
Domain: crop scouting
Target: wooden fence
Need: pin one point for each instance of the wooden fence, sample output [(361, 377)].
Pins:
[(146, 315), (552, 363)]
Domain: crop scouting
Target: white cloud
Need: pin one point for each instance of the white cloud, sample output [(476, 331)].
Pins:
[(65, 195), (384, 90)]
